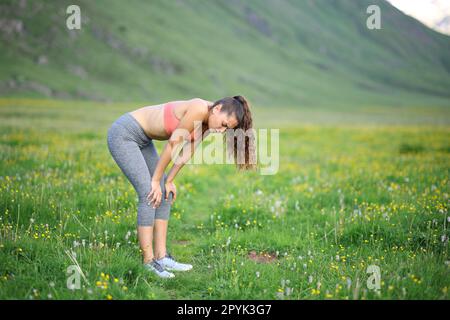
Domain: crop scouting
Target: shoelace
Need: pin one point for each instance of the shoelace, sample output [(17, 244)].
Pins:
[(168, 255), (157, 266)]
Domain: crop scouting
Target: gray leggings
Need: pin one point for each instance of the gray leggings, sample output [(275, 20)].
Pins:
[(135, 154)]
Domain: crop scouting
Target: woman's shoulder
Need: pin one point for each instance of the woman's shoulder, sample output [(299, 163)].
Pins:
[(200, 101), (198, 104)]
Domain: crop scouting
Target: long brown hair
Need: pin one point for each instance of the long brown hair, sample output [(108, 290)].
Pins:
[(240, 107)]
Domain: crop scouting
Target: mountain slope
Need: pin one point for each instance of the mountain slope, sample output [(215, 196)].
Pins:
[(275, 52)]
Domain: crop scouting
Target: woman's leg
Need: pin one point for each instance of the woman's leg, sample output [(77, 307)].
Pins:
[(145, 236), (160, 236), (130, 160), (162, 213)]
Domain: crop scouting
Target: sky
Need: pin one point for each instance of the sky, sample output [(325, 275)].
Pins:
[(429, 12)]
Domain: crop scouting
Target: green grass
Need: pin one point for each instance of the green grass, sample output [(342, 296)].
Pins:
[(353, 189)]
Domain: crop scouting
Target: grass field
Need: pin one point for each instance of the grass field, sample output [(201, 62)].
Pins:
[(353, 189)]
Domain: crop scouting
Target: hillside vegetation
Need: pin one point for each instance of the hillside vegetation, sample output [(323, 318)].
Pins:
[(285, 52)]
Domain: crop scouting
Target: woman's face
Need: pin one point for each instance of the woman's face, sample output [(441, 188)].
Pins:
[(219, 121)]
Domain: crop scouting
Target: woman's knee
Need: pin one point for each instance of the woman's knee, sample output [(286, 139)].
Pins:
[(163, 211), (145, 214)]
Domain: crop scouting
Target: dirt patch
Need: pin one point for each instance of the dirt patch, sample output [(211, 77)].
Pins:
[(264, 257), (182, 242)]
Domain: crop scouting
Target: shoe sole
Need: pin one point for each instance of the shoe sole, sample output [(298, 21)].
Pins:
[(153, 272), (171, 269), (164, 277)]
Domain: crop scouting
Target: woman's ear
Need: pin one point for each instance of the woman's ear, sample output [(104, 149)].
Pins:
[(218, 107)]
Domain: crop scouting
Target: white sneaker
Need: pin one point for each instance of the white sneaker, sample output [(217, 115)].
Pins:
[(158, 269), (169, 263)]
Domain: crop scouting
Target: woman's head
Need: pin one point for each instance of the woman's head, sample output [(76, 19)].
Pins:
[(234, 113)]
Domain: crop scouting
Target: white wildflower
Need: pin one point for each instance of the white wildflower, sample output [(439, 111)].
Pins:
[(349, 283)]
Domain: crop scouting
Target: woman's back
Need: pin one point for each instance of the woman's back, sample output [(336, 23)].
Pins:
[(158, 125)]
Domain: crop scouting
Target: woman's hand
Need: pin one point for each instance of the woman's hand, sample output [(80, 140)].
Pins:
[(155, 195), (170, 187)]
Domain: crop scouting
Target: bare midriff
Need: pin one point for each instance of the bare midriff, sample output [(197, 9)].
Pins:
[(151, 118)]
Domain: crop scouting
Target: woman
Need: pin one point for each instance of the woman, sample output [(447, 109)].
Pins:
[(130, 141)]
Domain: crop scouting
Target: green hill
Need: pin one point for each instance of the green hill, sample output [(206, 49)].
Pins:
[(284, 52)]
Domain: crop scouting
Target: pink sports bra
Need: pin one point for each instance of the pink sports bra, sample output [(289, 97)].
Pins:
[(170, 121)]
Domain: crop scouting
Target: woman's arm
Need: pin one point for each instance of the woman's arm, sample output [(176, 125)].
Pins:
[(182, 159), (179, 162), (195, 113)]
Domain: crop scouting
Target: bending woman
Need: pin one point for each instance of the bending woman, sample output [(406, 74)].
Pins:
[(130, 141)]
